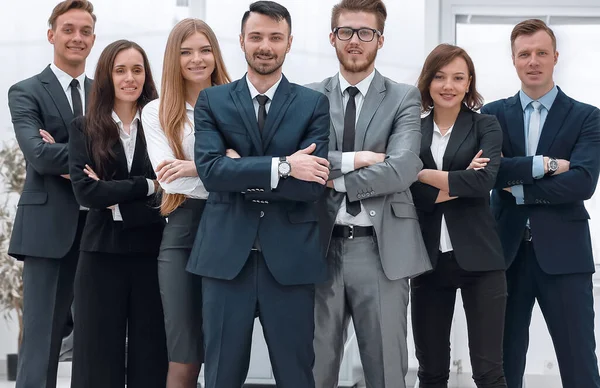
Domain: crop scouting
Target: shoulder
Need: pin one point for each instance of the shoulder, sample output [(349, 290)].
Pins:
[(306, 92), (25, 86), (582, 107), (401, 91), (150, 111), (319, 86), (494, 106), (77, 126), (484, 120), (220, 90)]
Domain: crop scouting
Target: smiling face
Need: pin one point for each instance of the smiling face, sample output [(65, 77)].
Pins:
[(128, 76), (197, 59), (73, 38), (534, 59), (450, 85), (265, 43)]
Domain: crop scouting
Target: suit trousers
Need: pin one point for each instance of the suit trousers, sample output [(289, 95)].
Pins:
[(567, 303), (433, 296), (285, 313), (359, 289), (47, 298), (117, 295)]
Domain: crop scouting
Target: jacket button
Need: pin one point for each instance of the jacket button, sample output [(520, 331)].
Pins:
[(262, 214), (372, 213)]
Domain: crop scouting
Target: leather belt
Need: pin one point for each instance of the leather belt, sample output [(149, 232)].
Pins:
[(351, 231), (527, 234)]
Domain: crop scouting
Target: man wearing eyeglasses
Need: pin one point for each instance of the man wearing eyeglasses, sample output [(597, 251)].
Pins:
[(369, 223)]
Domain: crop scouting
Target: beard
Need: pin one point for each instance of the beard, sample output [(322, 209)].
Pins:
[(265, 68), (353, 65)]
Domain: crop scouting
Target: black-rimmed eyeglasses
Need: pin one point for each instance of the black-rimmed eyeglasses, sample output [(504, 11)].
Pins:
[(365, 34)]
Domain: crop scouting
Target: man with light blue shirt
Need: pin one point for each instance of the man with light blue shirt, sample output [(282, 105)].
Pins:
[(550, 165)]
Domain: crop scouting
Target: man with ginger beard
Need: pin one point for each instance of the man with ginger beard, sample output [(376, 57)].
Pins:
[(369, 224)]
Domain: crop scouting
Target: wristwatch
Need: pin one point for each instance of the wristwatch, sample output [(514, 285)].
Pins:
[(285, 168), (552, 166)]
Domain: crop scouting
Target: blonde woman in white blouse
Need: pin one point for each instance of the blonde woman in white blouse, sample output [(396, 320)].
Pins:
[(192, 62)]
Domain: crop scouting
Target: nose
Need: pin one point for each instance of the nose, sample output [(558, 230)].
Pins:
[(355, 38), (129, 76), (197, 57)]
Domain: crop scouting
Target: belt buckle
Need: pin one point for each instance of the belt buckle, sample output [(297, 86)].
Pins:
[(351, 236)]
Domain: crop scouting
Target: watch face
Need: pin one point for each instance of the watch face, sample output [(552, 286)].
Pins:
[(553, 165), (284, 168)]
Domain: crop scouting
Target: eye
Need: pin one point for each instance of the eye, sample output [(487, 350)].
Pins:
[(87, 32), (523, 55), (255, 38), (67, 30), (185, 52), (276, 38), (119, 71), (206, 50), (437, 76), (460, 78)]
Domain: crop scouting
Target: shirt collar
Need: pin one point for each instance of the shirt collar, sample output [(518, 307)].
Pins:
[(189, 106), (436, 129), (119, 122), (362, 86), (546, 100), (269, 93), (64, 79)]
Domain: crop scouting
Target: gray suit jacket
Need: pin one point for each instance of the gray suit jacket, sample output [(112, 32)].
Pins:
[(390, 123)]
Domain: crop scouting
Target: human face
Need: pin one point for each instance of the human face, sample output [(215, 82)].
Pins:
[(197, 59), (356, 56), (128, 76), (534, 58), (265, 42), (73, 38), (450, 85)]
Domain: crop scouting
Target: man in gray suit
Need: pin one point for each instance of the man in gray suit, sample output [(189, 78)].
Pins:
[(369, 223), (49, 221)]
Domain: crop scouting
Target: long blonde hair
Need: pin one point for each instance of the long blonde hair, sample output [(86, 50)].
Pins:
[(172, 112)]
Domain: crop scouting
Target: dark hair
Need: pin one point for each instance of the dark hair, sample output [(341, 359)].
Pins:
[(101, 130), (67, 5), (375, 7), (530, 27), (271, 9), (442, 55)]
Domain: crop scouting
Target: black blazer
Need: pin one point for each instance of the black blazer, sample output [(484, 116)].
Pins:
[(47, 215), (142, 225), (471, 226)]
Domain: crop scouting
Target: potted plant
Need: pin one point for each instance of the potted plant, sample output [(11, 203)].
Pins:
[(12, 177)]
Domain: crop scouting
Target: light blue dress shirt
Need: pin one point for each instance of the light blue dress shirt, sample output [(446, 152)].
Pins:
[(538, 160)]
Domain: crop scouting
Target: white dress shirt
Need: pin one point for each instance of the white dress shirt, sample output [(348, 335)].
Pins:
[(159, 150), (343, 217), (128, 142), (269, 93), (65, 81), (438, 148)]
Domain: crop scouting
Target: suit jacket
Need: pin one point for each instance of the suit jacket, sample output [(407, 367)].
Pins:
[(553, 204), (471, 226), (388, 123), (47, 213), (241, 204), (142, 225)]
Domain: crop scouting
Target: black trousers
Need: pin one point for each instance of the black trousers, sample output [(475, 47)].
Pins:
[(567, 303), (47, 298), (484, 299), (287, 317), (117, 295)]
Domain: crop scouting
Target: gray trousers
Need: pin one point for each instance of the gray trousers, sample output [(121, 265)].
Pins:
[(359, 289)]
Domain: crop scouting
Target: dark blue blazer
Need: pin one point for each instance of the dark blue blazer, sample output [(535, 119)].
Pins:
[(553, 204), (241, 204)]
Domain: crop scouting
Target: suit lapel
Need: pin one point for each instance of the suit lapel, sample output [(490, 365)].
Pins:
[(139, 155), (282, 98), (556, 116), (426, 138), (516, 127), (462, 126), (56, 92), (374, 96), (87, 90), (241, 98), (336, 109)]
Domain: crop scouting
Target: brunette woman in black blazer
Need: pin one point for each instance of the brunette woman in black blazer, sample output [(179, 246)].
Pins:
[(116, 284), (460, 150)]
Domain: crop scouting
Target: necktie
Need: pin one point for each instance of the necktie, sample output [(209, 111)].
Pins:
[(534, 129), (352, 208), (76, 98), (262, 111)]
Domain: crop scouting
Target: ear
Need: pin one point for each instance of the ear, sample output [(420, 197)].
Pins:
[(242, 42), (289, 46), (555, 57), (469, 83), (50, 35), (332, 38), (380, 42), (512, 56)]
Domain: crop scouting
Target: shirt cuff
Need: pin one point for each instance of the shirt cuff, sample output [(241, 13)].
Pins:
[(347, 162), (150, 187), (517, 192), (537, 167), (339, 184), (274, 173), (116, 213)]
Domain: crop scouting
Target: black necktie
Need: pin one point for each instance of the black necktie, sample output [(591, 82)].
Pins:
[(352, 208), (76, 98), (262, 111)]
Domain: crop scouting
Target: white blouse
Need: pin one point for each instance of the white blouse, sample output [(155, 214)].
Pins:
[(438, 148)]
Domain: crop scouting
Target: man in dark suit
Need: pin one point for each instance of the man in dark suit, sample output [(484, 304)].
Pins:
[(261, 144), (550, 166), (48, 223)]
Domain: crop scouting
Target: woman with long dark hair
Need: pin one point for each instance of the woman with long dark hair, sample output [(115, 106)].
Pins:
[(192, 62), (116, 284)]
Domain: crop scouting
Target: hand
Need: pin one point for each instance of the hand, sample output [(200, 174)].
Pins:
[(367, 158), (307, 167), (47, 137), (231, 153), (113, 207), (156, 186), (91, 173), (508, 189), (169, 170), (478, 162), (443, 196), (66, 176)]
